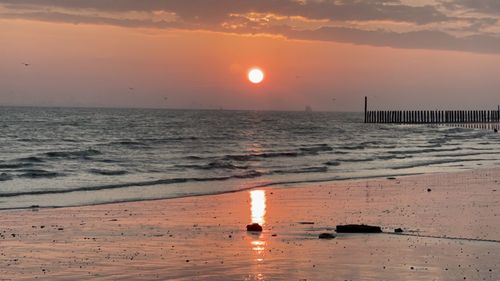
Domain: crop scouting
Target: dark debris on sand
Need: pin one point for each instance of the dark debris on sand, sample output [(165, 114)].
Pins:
[(357, 228), (326, 236)]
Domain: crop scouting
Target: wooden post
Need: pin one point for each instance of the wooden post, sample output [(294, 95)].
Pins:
[(366, 106)]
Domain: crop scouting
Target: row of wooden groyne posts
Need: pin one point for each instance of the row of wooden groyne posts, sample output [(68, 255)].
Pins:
[(432, 116)]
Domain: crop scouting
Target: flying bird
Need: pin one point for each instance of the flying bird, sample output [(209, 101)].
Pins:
[(25, 64)]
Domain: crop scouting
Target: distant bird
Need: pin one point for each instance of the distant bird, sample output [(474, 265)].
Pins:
[(131, 88), (25, 64)]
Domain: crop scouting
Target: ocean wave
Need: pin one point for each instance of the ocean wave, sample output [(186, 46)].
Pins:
[(433, 162), (108, 172), (193, 157), (255, 156), (34, 174), (245, 175), (320, 169), (427, 150), (71, 154), (479, 149), (467, 154), (457, 130), (302, 151), (15, 165), (431, 145), (109, 161), (31, 159), (357, 159), (33, 140), (214, 165), (394, 156), (317, 148), (130, 143), (249, 174), (208, 192), (5, 177), (167, 140), (353, 147)]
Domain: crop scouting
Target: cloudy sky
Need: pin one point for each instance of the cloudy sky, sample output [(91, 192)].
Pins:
[(195, 54)]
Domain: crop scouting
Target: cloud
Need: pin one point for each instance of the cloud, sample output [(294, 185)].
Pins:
[(391, 23), (215, 10), (482, 6), (413, 40)]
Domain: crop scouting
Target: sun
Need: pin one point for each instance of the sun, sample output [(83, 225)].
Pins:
[(255, 75)]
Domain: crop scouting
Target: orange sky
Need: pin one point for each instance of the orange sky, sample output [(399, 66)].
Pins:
[(96, 65)]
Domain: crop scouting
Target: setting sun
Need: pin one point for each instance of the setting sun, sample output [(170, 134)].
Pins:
[(255, 75)]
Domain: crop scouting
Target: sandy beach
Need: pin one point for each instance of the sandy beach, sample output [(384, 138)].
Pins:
[(450, 224)]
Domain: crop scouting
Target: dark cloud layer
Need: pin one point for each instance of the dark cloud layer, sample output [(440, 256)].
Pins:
[(215, 10), (216, 15), (483, 6)]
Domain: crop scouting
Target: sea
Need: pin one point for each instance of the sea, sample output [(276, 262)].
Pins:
[(57, 157)]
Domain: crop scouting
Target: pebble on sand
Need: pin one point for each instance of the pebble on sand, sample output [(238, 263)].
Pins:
[(358, 228), (254, 227)]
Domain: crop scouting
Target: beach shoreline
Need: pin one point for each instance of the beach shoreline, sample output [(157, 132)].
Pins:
[(449, 222)]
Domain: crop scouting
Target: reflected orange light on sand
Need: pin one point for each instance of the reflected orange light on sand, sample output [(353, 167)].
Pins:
[(258, 214), (258, 246), (258, 206)]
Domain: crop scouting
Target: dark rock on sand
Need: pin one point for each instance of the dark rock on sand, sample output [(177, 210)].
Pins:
[(398, 230), (306, 222), (357, 228), (254, 227), (326, 236), (429, 190)]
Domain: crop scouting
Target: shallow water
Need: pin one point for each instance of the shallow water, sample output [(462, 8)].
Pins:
[(65, 156)]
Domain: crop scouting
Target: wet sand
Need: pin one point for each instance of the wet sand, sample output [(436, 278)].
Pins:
[(451, 232)]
